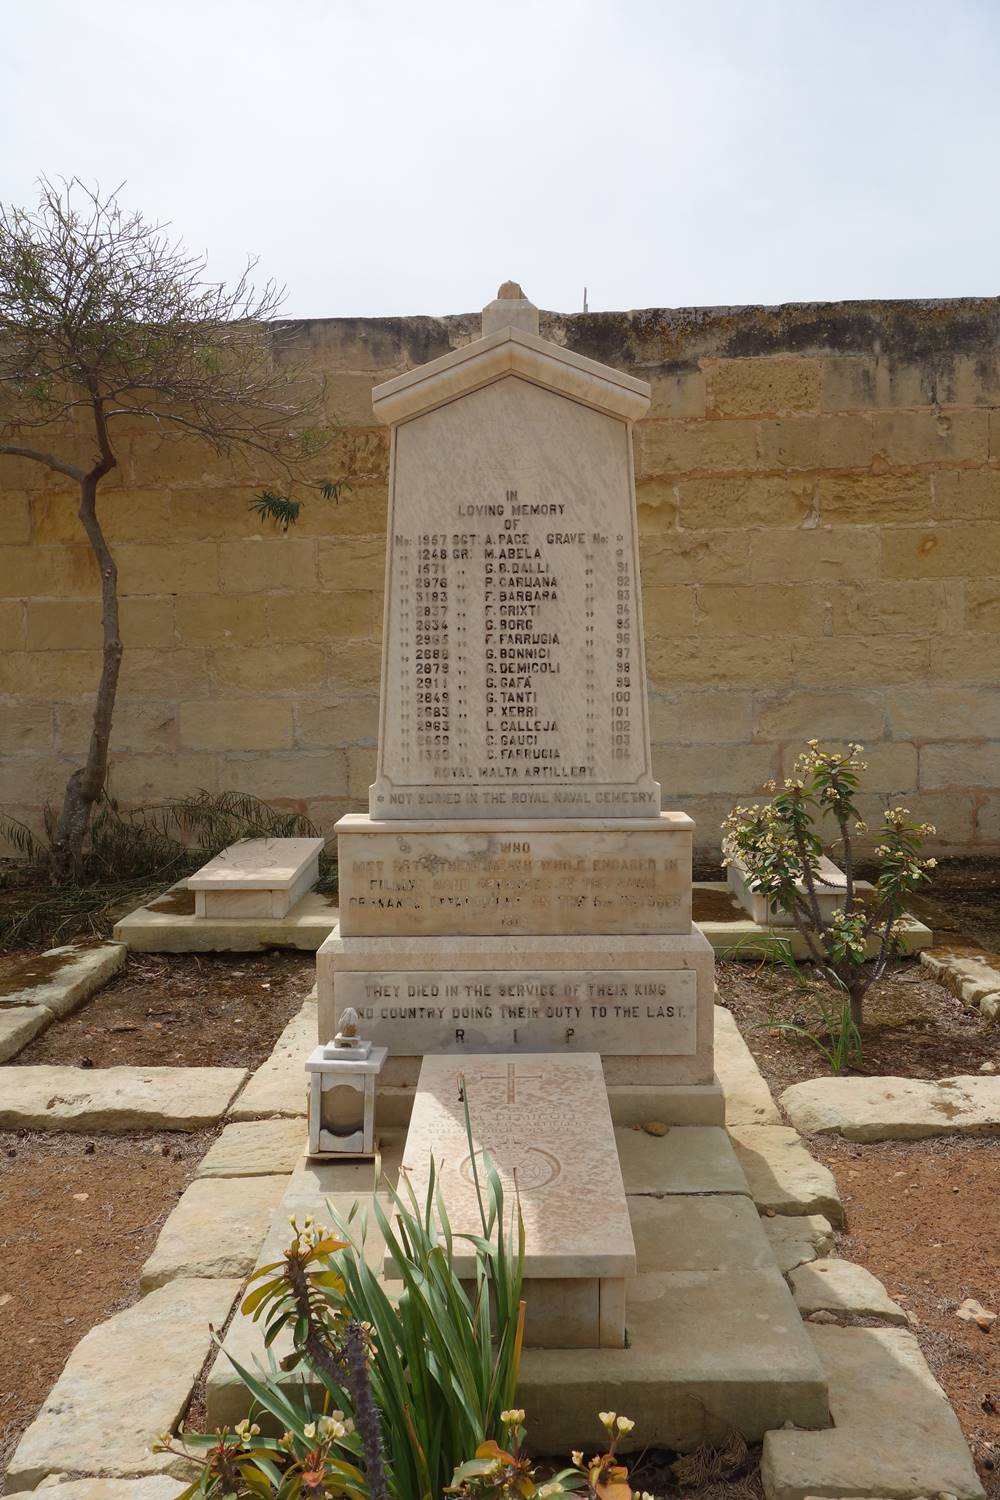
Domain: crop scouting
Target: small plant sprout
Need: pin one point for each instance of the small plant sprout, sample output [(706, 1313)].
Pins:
[(778, 846)]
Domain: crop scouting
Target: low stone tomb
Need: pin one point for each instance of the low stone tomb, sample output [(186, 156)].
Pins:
[(545, 1124), (830, 885), (256, 878)]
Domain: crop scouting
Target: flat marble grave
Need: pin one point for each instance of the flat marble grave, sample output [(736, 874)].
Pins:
[(546, 1125), (256, 878)]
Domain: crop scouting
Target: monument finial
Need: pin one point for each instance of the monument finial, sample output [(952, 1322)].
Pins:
[(510, 309)]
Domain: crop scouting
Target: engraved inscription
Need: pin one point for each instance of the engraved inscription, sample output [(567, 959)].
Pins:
[(513, 677), (632, 880), (617, 1013)]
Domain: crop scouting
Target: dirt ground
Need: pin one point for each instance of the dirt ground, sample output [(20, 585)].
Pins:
[(79, 1217), (914, 1027), (182, 1010), (924, 1217)]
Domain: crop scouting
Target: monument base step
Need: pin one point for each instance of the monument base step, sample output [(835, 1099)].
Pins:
[(715, 1340)]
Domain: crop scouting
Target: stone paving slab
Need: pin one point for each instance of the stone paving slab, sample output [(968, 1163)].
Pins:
[(796, 1239), (169, 925), (216, 1229), (60, 978), (895, 1109), (690, 1159), (973, 976), (227, 1398), (127, 1380), (680, 1233), (115, 1099), (782, 1174), (279, 1085), (256, 1148), (708, 1353), (748, 1098), (150, 1487), (839, 1286), (19, 1024), (895, 1434)]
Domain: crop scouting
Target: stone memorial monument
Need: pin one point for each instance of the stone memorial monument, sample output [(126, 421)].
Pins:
[(515, 886)]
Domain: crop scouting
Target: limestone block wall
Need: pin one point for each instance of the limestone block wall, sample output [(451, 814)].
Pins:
[(819, 505)]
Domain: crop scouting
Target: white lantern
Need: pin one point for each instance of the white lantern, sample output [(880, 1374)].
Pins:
[(342, 1076)]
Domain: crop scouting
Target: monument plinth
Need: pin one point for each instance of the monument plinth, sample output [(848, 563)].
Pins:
[(515, 885)]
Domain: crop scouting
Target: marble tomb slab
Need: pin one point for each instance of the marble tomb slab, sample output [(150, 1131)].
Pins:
[(522, 876), (256, 878), (546, 1126)]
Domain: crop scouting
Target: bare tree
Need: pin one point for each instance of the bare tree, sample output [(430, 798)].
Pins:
[(107, 321)]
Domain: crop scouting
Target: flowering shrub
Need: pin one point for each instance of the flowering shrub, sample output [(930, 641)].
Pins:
[(778, 847), (497, 1473)]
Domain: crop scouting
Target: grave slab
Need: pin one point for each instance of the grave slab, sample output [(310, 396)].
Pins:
[(169, 925), (782, 1174), (60, 978), (18, 1025), (734, 934), (546, 1126), (830, 885), (216, 1229), (895, 1434), (279, 1085), (522, 877), (255, 1148), (839, 1286), (895, 1109), (256, 878), (116, 1099), (692, 1159), (796, 1239), (748, 1098), (686, 1233), (112, 1399)]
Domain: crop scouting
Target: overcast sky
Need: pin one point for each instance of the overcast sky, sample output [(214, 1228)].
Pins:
[(386, 157)]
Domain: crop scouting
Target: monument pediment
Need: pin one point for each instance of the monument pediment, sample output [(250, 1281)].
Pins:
[(511, 350)]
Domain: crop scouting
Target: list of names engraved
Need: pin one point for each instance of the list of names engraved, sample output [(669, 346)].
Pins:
[(513, 675)]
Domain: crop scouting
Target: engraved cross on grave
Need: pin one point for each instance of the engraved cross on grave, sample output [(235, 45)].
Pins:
[(515, 886)]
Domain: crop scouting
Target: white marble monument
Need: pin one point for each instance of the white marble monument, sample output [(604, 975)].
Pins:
[(515, 886)]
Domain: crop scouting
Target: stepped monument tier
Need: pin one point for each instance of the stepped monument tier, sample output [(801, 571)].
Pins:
[(515, 885)]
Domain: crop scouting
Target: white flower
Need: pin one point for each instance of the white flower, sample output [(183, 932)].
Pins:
[(577, 1457), (309, 1430), (512, 1418), (607, 1419), (625, 1424)]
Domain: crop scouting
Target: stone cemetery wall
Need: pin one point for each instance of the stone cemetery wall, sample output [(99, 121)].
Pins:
[(819, 513)]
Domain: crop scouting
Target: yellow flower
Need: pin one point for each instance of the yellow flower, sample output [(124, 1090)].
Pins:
[(309, 1430), (512, 1418), (607, 1419), (625, 1424), (577, 1458)]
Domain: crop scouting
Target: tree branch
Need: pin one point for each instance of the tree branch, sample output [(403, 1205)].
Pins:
[(49, 459)]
